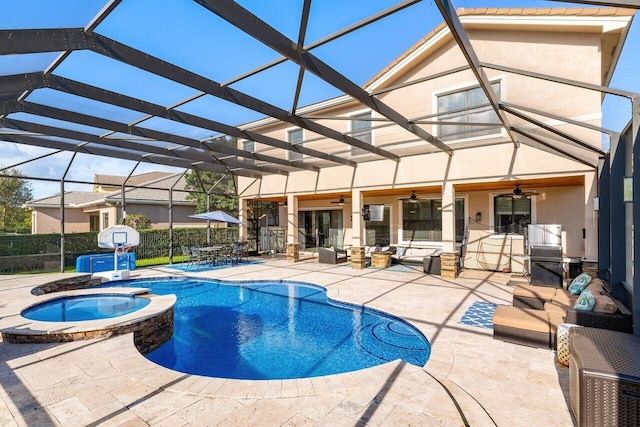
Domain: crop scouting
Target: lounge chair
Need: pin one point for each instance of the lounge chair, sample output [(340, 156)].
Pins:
[(332, 255)]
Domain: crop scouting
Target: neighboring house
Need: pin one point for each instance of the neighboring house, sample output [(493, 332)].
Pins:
[(471, 192), (101, 208)]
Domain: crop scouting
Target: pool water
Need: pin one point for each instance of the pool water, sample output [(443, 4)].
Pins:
[(84, 307), (276, 330)]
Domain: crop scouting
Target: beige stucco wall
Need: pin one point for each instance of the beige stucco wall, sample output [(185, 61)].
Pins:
[(159, 215), (48, 221), (563, 54)]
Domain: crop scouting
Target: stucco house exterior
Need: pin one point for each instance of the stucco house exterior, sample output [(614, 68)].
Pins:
[(466, 202), (95, 210)]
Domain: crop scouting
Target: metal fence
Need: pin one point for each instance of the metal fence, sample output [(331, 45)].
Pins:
[(273, 238)]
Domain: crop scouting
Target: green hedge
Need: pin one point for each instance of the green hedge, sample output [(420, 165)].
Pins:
[(30, 252)]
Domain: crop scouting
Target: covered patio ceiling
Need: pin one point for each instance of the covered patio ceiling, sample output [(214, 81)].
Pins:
[(168, 82)]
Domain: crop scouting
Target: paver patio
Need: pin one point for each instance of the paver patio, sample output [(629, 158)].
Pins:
[(469, 379)]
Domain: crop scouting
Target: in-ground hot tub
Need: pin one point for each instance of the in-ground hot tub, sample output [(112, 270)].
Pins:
[(85, 307), (151, 324)]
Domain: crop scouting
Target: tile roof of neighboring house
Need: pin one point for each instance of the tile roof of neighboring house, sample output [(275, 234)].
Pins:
[(133, 180), (494, 11), (71, 198), (87, 198), (153, 194)]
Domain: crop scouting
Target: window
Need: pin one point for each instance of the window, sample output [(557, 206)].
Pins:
[(361, 129), (94, 222), (512, 214), (295, 138), (251, 147), (105, 220), (422, 220), (467, 106), (379, 232)]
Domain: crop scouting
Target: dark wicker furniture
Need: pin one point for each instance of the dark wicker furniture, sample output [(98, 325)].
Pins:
[(332, 255), (604, 377)]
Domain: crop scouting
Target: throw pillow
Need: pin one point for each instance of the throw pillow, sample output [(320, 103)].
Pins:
[(401, 251), (579, 283), (586, 301)]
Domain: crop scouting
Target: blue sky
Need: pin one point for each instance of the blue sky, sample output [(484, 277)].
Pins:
[(200, 41)]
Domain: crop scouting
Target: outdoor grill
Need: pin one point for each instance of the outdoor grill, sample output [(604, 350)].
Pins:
[(546, 265)]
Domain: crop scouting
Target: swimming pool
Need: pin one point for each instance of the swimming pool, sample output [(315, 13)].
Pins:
[(275, 330), (84, 307)]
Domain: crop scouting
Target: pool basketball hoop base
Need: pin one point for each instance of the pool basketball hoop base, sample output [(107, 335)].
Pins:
[(113, 274), (120, 238)]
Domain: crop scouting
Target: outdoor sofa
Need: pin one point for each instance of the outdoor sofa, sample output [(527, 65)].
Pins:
[(403, 254), (538, 310)]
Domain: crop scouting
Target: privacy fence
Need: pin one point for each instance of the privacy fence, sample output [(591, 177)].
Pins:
[(37, 252)]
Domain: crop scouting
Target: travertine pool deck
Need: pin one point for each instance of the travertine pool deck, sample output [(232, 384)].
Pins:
[(470, 378)]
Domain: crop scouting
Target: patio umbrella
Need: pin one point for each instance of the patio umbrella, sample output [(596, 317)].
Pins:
[(219, 216)]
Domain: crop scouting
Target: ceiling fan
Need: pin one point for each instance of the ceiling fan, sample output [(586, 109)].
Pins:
[(518, 193), (413, 198), (340, 201)]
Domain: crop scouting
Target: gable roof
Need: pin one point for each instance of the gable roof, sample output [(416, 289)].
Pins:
[(102, 179), (71, 198), (540, 17), (156, 195)]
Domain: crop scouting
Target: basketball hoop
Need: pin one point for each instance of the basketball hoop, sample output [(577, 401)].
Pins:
[(121, 250), (120, 238)]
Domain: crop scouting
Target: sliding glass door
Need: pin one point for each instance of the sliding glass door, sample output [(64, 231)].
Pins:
[(321, 228)]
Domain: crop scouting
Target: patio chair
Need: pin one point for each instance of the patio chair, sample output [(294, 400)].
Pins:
[(186, 252), (225, 254), (239, 250), (196, 255)]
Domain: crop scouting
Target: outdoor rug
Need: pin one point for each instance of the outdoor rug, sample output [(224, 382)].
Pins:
[(191, 268), (479, 314)]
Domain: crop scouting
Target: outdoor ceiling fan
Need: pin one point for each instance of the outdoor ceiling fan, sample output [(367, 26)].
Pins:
[(413, 198), (518, 193), (340, 201)]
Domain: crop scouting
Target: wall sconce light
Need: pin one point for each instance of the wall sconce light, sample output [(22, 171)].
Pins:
[(627, 190), (596, 204), (478, 216), (366, 214)]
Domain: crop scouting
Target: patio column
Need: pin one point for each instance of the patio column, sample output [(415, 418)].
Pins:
[(601, 267), (590, 217), (617, 164), (293, 245), (449, 259), (242, 216), (358, 260)]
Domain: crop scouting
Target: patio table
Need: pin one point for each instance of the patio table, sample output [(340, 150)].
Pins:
[(212, 252)]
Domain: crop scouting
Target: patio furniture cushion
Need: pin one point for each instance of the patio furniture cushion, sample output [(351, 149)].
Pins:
[(554, 307), (564, 298), (604, 304), (542, 292), (410, 255), (579, 283), (522, 326), (530, 296), (522, 318)]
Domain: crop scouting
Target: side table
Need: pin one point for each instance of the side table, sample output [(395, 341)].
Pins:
[(380, 259)]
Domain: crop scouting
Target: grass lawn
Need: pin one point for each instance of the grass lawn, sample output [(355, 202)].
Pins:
[(139, 263)]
